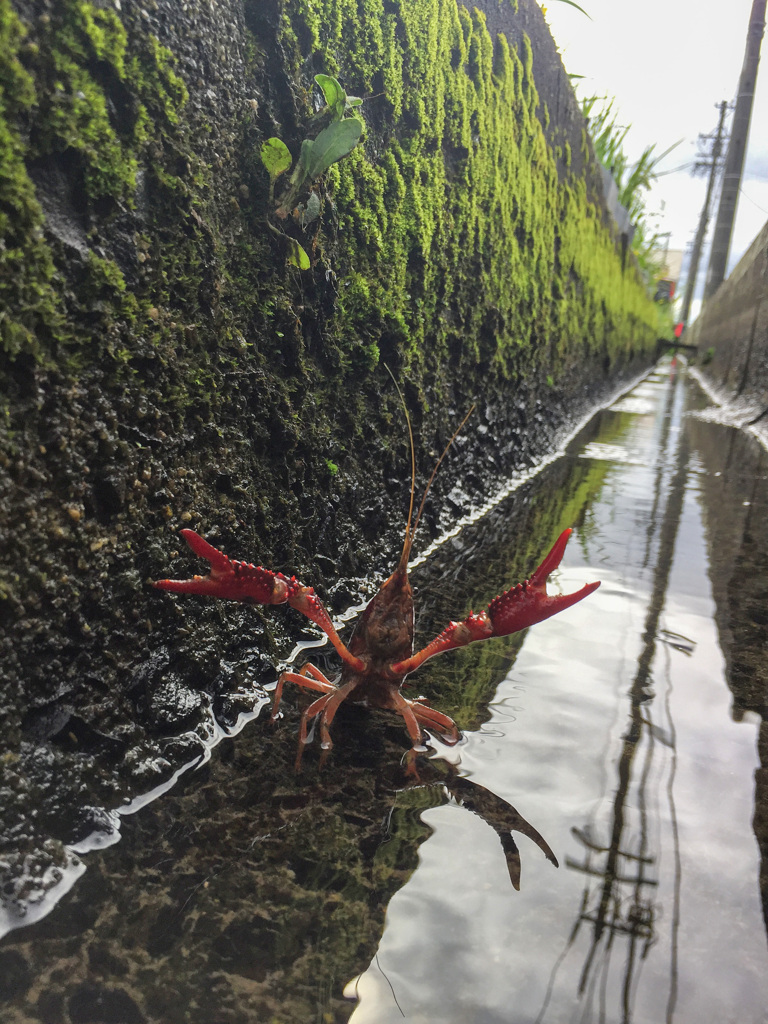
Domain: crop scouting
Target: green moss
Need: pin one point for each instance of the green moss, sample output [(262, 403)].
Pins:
[(70, 92), (450, 229), (449, 239), (16, 83), (448, 219), (161, 90), (84, 68), (26, 267)]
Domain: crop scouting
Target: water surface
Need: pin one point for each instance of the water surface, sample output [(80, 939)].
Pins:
[(615, 733)]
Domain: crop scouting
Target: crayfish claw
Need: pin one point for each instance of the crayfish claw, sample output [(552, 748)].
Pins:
[(228, 578), (552, 560), (517, 608), (529, 603), (218, 560)]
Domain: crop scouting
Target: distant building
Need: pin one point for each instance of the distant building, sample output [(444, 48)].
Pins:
[(666, 284), (673, 263)]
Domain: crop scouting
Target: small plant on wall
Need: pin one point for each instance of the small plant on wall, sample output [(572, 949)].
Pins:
[(334, 142)]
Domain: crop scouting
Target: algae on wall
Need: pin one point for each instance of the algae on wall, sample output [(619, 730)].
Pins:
[(457, 240), (163, 365)]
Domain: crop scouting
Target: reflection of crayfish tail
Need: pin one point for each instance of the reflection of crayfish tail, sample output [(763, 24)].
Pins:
[(503, 819), (512, 856)]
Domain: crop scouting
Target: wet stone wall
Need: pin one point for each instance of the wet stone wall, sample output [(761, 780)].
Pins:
[(164, 364), (732, 331)]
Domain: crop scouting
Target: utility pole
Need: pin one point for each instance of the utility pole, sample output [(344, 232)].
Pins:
[(734, 161), (713, 164)]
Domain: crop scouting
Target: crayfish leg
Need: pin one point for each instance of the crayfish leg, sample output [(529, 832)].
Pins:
[(415, 712), (407, 710), (325, 706), (306, 716), (309, 677), (436, 720)]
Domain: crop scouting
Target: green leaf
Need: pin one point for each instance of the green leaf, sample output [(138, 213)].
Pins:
[(297, 255), (335, 97), (332, 144), (301, 170), (275, 157), (572, 4), (311, 211)]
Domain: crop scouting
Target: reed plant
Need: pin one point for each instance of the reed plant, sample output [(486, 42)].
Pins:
[(634, 180)]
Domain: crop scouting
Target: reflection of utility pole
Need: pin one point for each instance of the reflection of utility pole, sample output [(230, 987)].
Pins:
[(734, 161), (713, 164), (613, 914), (616, 912)]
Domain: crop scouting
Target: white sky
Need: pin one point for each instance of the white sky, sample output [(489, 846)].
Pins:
[(669, 63)]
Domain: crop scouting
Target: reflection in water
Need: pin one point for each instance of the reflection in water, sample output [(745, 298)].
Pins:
[(439, 781), (734, 490), (624, 730), (657, 917), (624, 906), (246, 894), (503, 818)]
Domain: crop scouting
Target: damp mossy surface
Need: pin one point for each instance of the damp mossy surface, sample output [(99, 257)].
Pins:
[(457, 239), (77, 103), (162, 365)]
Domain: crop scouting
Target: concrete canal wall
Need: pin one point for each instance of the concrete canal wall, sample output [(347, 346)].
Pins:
[(731, 332), (167, 361)]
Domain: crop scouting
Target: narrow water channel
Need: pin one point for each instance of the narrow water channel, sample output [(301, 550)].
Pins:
[(621, 739), (621, 734)]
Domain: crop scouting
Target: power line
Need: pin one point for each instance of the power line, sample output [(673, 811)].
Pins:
[(674, 170), (760, 208)]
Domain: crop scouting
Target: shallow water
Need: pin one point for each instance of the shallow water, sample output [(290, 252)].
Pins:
[(624, 732), (613, 732)]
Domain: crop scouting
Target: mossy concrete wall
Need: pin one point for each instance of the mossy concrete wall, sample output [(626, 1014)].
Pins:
[(163, 365), (731, 333)]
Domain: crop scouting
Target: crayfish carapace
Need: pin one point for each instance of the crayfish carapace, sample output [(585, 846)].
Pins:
[(379, 654)]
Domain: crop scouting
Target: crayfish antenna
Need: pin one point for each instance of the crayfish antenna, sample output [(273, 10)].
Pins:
[(411, 524), (455, 434), (405, 555)]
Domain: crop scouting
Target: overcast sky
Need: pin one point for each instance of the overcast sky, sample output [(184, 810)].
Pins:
[(669, 63)]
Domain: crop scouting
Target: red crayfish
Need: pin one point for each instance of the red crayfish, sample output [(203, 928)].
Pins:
[(379, 654)]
